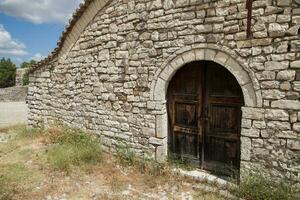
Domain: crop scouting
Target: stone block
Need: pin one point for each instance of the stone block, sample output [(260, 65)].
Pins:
[(237, 70), (157, 141), (286, 75), (254, 133), (161, 153), (296, 86), (45, 74), (273, 94), (257, 142), (161, 126), (149, 132), (280, 126), (246, 148), (295, 64), (160, 90), (259, 124), (122, 54), (246, 123), (253, 113), (296, 127), (274, 114), (293, 144), (103, 55), (286, 134), (286, 104), (274, 65), (277, 30), (204, 28)]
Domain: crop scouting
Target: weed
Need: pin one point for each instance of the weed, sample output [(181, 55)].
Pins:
[(72, 147), (260, 187), (14, 180), (182, 163), (116, 184), (26, 132), (6, 188), (126, 157)]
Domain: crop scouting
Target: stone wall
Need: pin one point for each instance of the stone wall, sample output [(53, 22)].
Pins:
[(113, 80), (18, 93), (19, 76)]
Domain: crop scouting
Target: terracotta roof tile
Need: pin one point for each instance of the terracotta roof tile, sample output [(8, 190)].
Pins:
[(68, 28)]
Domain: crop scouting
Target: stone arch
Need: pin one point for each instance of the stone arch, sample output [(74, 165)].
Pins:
[(219, 54), (225, 57)]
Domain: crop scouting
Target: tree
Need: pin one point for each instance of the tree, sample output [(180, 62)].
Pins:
[(7, 73), (27, 65)]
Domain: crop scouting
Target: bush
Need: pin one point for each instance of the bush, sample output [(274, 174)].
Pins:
[(25, 80), (260, 187), (7, 73), (27, 65), (72, 147)]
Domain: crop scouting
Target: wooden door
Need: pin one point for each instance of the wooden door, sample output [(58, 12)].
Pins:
[(223, 101), (204, 108), (184, 109)]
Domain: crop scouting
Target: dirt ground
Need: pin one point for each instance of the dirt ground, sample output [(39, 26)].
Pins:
[(34, 178)]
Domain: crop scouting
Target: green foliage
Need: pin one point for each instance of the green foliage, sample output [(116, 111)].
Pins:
[(27, 65), (7, 73), (260, 187), (25, 79), (73, 147)]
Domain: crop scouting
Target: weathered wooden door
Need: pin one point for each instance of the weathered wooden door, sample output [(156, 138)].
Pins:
[(204, 107), (184, 108)]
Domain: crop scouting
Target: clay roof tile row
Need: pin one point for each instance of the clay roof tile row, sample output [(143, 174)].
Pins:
[(68, 28)]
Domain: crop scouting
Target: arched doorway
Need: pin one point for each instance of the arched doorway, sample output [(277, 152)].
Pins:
[(204, 103)]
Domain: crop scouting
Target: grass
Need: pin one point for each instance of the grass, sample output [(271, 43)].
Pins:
[(126, 157), (58, 150), (16, 179), (260, 187), (72, 147)]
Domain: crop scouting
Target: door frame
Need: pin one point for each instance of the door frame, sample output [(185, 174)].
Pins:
[(203, 52), (199, 74)]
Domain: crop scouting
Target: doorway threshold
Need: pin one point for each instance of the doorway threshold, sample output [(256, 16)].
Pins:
[(204, 176), (211, 183)]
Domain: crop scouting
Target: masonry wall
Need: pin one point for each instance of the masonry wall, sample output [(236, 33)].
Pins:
[(104, 83)]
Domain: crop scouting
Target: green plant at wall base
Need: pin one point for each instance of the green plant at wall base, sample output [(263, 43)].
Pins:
[(73, 147), (260, 187), (127, 157)]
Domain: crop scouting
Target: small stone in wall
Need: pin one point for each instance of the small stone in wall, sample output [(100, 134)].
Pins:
[(277, 30), (295, 64), (286, 75)]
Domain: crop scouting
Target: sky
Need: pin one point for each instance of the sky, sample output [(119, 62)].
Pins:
[(30, 29)]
